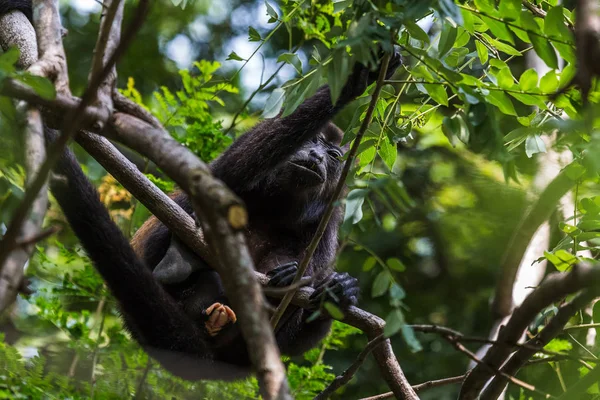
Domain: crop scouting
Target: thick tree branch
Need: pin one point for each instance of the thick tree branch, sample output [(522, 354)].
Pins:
[(17, 32)]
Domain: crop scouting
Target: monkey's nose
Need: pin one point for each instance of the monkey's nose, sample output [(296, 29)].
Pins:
[(315, 156)]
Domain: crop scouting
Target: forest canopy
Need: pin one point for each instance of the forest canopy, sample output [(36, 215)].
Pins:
[(471, 216)]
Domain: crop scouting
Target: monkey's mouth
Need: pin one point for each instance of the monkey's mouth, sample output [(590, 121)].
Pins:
[(309, 169)]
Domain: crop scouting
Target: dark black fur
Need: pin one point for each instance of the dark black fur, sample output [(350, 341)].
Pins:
[(270, 169), (22, 5)]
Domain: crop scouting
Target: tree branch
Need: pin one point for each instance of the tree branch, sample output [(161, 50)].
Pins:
[(553, 288), (347, 375)]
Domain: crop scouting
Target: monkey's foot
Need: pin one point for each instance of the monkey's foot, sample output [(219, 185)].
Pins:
[(219, 315)]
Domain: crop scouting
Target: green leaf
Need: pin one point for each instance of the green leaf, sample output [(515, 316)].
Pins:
[(575, 171), (395, 264), (333, 310), (437, 93), (42, 86), (233, 56), (505, 78), (393, 322), (528, 80), (292, 59), (502, 101), (554, 24), (416, 32), (354, 202), (381, 284), (447, 38), (503, 47), (271, 12), (369, 263), (409, 337), (397, 294), (274, 103), (549, 82), (561, 259), (253, 35), (337, 73), (510, 9), (341, 5), (541, 45), (482, 52), (388, 152)]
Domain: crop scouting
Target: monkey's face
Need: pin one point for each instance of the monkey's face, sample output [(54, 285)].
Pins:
[(315, 163)]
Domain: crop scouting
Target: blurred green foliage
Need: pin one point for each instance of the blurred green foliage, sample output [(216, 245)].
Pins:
[(442, 179)]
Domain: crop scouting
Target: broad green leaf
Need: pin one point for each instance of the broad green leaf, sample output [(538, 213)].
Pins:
[(381, 284), (341, 5), (510, 9), (554, 25), (416, 32), (528, 80), (447, 38), (369, 263), (292, 59), (387, 152), (337, 73), (549, 82), (437, 93), (271, 12), (503, 47), (482, 52), (395, 264), (561, 259), (463, 37), (274, 103), (502, 101), (505, 78), (449, 10), (354, 202), (456, 56), (541, 45), (575, 171), (253, 35)]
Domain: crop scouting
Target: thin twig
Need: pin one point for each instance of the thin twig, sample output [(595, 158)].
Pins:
[(421, 387), (37, 237), (349, 373)]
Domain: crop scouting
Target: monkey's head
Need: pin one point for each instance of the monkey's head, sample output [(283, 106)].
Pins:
[(316, 166)]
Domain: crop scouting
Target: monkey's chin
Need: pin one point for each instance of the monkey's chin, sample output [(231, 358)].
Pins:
[(308, 176)]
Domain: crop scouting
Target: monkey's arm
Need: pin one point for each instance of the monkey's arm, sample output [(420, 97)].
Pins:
[(255, 154), (152, 315)]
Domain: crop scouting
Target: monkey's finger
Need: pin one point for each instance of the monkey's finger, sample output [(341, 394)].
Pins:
[(231, 314), (283, 267), (211, 308)]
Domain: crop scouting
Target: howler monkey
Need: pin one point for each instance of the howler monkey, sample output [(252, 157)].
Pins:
[(285, 170)]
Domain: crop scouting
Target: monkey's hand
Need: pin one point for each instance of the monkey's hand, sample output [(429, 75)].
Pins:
[(362, 76), (283, 275), (342, 289), (218, 315)]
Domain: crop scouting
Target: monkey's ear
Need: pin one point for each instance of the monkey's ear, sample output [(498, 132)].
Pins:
[(178, 263)]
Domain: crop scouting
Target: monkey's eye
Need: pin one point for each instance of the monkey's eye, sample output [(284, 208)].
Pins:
[(335, 153)]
